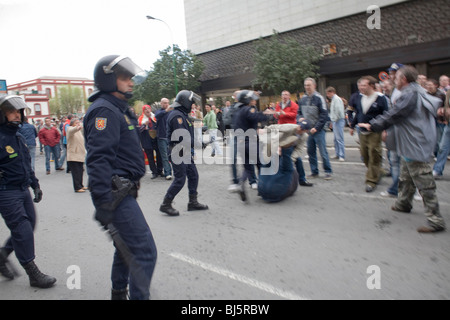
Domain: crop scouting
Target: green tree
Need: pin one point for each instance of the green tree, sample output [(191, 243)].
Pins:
[(160, 81), (283, 64), (68, 100)]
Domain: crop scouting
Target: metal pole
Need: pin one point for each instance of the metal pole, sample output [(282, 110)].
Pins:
[(173, 53)]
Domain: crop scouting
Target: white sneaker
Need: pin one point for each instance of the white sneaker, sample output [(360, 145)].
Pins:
[(386, 194), (436, 175), (168, 177), (233, 188), (255, 186), (341, 159)]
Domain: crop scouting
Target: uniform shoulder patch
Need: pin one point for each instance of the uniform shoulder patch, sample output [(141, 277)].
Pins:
[(252, 110), (100, 123), (180, 120)]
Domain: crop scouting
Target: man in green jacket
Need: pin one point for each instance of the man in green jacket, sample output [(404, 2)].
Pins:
[(210, 122)]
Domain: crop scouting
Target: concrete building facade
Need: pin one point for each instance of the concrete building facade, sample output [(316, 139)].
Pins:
[(38, 92), (345, 31)]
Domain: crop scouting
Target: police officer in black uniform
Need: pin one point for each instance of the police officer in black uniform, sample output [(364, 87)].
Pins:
[(16, 204), (180, 132), (245, 124), (114, 152)]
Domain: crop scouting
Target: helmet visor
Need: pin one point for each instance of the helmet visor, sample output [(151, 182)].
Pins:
[(125, 66), (14, 103), (195, 98)]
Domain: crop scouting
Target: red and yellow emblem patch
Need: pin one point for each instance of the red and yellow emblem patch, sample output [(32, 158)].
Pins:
[(100, 123)]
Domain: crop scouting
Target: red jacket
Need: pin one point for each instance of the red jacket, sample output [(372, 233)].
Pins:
[(49, 137), (291, 113)]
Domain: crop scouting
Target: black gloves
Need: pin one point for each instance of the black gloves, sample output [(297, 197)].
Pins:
[(37, 195), (104, 214)]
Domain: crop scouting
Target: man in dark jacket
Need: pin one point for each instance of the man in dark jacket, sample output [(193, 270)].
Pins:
[(161, 133), (413, 117), (180, 131), (313, 108), (114, 153), (16, 205), (30, 134), (369, 105), (245, 124)]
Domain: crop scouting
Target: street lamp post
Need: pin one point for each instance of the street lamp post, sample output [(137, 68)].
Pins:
[(173, 53)]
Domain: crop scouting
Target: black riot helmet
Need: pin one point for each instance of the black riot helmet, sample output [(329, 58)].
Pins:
[(246, 96), (185, 99), (109, 68), (11, 103)]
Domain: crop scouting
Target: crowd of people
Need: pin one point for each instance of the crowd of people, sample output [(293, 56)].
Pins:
[(407, 112)]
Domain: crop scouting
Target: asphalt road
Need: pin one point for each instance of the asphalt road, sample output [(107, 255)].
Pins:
[(331, 241)]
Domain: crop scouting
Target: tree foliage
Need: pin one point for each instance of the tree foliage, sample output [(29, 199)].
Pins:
[(68, 100), (160, 81), (283, 64)]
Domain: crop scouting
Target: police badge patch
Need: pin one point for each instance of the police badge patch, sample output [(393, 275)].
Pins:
[(180, 120), (100, 123), (9, 149)]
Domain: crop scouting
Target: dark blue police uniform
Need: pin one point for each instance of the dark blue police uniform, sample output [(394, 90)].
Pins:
[(184, 165), (113, 148), (16, 204), (246, 119)]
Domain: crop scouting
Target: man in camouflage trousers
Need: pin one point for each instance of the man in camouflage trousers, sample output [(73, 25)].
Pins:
[(413, 117)]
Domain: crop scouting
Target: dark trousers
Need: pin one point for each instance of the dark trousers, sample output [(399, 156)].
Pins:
[(282, 184), (76, 168), (134, 230), (181, 172), (17, 209), (155, 168)]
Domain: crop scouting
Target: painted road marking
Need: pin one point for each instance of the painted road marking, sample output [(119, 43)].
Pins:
[(234, 276)]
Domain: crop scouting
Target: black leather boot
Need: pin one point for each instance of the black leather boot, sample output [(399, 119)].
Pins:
[(166, 207), (119, 294), (194, 204), (37, 278), (4, 268)]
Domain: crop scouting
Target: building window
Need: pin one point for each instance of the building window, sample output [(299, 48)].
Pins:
[(48, 92), (37, 109)]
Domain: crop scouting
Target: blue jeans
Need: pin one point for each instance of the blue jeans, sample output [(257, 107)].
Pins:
[(440, 128), (300, 170), (394, 162), (56, 152), (278, 186), (444, 150), (32, 150), (163, 146), (135, 232), (338, 130), (315, 141)]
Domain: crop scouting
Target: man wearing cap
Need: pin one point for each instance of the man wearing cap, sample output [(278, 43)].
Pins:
[(392, 71), (282, 184)]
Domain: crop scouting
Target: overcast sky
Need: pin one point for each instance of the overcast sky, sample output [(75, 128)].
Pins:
[(66, 38)]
